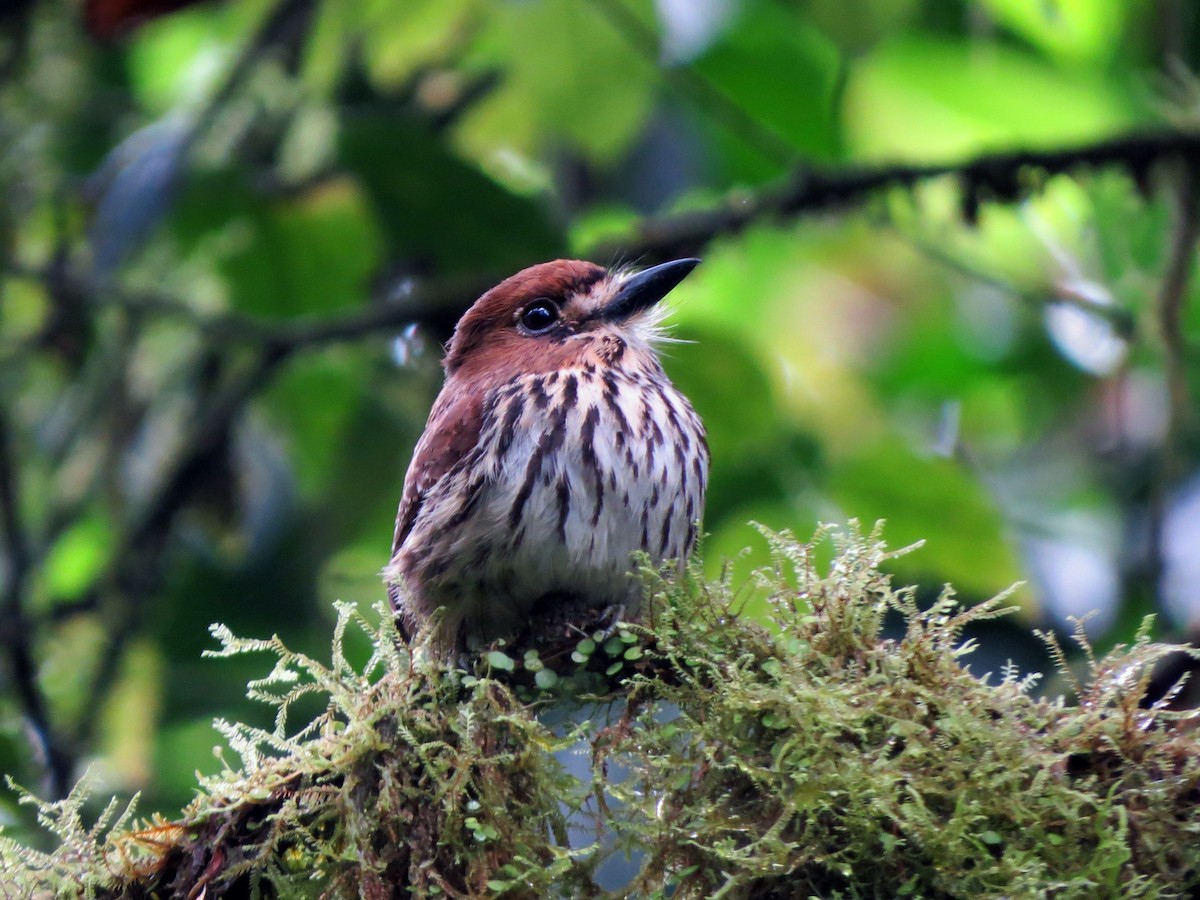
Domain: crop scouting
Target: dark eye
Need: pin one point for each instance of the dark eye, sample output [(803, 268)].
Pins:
[(539, 316)]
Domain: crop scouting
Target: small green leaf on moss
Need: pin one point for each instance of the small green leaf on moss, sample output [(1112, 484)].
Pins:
[(501, 661)]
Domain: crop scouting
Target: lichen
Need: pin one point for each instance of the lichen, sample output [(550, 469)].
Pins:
[(812, 757)]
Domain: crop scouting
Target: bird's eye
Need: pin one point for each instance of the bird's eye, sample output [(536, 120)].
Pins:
[(539, 316)]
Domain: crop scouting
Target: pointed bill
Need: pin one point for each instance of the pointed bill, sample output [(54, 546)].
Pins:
[(646, 288)]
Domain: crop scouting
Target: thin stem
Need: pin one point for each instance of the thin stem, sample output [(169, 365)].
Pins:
[(1121, 320), (1171, 299), (1173, 296), (16, 631)]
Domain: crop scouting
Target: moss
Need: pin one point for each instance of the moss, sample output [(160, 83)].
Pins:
[(813, 758)]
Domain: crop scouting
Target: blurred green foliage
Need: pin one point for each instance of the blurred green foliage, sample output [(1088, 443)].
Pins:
[(183, 208)]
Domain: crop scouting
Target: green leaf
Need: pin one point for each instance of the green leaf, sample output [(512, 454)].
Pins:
[(78, 557), (935, 99), (766, 40), (324, 247), (774, 720), (316, 404), (435, 207), (929, 498), (568, 73), (310, 254), (1075, 31), (324, 55), (856, 25), (502, 661), (132, 710), (726, 382), (170, 60), (399, 39)]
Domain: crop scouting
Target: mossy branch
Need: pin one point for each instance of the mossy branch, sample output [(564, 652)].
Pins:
[(721, 757)]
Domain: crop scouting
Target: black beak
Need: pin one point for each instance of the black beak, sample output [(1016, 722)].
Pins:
[(646, 288)]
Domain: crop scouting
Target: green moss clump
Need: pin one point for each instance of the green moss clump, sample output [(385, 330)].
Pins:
[(814, 758), (822, 760)]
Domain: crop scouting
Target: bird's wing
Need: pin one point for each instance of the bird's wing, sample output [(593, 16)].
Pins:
[(451, 433)]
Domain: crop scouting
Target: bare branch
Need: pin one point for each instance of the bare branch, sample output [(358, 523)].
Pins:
[(137, 566), (286, 16), (1180, 419), (1173, 294), (1000, 177), (15, 630), (1121, 320)]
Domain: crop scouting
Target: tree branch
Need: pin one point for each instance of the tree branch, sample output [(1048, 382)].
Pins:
[(1173, 294), (1121, 320), (136, 569), (1180, 418), (15, 630), (411, 777), (278, 23), (1003, 177), (996, 177)]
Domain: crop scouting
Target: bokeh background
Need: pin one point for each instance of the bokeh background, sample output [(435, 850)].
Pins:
[(233, 236)]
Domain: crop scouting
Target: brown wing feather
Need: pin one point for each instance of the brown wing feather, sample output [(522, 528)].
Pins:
[(450, 434)]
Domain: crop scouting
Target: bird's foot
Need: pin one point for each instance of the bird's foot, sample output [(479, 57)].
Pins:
[(611, 619)]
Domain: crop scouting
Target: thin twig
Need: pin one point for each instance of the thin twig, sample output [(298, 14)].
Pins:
[(137, 566), (1171, 298), (1173, 295), (1001, 177), (16, 547), (996, 176), (1121, 320), (137, 303), (135, 571), (16, 632), (276, 24)]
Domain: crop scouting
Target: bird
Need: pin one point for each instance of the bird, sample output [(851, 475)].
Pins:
[(555, 451)]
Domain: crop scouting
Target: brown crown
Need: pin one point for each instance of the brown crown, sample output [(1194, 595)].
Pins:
[(557, 279)]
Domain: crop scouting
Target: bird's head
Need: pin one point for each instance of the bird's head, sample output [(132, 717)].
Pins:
[(560, 313)]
